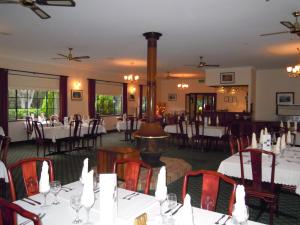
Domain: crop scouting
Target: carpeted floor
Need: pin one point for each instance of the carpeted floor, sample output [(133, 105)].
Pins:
[(67, 168)]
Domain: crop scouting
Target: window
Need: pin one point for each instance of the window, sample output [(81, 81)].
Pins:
[(109, 105), (24, 102)]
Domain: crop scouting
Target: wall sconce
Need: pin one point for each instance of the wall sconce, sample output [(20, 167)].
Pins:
[(77, 85), (132, 90)]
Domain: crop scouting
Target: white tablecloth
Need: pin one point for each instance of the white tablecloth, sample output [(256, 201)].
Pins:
[(63, 214), (2, 132), (3, 172), (211, 131), (121, 125), (60, 132), (287, 170)]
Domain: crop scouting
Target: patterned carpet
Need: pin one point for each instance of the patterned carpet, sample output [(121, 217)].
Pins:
[(67, 168)]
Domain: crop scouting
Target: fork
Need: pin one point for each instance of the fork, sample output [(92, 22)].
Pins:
[(226, 220), (218, 221)]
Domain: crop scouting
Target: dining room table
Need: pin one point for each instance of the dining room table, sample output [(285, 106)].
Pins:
[(127, 209), (210, 131), (287, 167)]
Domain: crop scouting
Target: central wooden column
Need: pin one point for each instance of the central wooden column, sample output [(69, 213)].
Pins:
[(152, 38)]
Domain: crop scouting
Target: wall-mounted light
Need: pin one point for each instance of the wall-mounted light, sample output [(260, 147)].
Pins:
[(132, 89), (77, 85)]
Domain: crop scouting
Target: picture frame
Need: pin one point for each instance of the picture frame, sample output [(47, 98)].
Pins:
[(172, 97), (230, 99), (285, 98), (226, 98), (234, 99), (76, 95), (227, 78), (131, 97)]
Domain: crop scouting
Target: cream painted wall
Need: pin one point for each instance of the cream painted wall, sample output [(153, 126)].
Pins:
[(268, 82), (169, 86)]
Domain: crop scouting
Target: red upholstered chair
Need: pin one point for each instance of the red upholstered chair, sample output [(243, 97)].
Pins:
[(4, 143), (131, 173), (210, 188), (256, 188), (30, 175), (234, 144), (8, 213), (244, 142)]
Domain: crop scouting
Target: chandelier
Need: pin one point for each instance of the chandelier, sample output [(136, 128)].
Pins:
[(294, 71), (131, 77)]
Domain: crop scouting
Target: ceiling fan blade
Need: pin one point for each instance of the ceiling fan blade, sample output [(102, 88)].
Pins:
[(287, 24), (282, 32), (68, 3), (81, 57), (65, 56), (212, 65), (9, 2), (42, 14), (77, 60), (58, 58)]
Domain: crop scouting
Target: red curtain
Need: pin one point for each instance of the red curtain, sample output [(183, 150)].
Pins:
[(63, 96), (124, 97), (91, 97), (4, 99), (141, 101)]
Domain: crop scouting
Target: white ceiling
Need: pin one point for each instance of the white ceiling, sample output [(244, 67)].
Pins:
[(225, 32)]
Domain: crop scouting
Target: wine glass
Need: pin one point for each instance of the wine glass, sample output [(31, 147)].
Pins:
[(172, 200), (55, 187), (88, 216), (75, 203)]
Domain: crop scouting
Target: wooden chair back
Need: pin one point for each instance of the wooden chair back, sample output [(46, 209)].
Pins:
[(234, 144), (29, 172), (77, 117), (9, 210), (244, 142), (210, 188), (132, 172), (93, 127), (39, 132), (29, 126), (75, 129), (4, 143)]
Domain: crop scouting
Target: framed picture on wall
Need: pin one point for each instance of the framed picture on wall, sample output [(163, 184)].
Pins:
[(226, 98), (227, 78), (172, 97), (76, 94), (284, 98)]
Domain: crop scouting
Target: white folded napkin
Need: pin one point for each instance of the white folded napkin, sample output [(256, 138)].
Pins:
[(44, 185), (295, 126), (108, 206), (85, 170), (289, 138), (161, 185), (261, 136), (277, 146), (266, 131), (254, 141), (186, 216), (217, 121), (288, 124), (240, 209), (209, 121), (88, 196), (282, 142), (281, 124)]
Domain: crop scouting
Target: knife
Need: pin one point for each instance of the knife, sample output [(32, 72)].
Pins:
[(37, 202), (23, 200), (173, 213)]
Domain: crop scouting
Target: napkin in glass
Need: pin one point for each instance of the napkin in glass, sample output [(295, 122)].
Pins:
[(281, 124), (240, 212), (44, 185), (161, 185), (282, 142), (289, 138), (85, 170), (88, 196), (108, 196), (253, 141), (261, 137), (277, 146), (186, 214)]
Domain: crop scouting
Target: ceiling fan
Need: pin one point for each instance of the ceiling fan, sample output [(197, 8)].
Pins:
[(203, 64), (294, 28), (37, 10), (70, 57)]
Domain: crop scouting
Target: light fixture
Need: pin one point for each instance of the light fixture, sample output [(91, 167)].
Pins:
[(76, 85), (221, 90), (233, 90), (294, 71), (182, 85), (131, 77), (132, 90)]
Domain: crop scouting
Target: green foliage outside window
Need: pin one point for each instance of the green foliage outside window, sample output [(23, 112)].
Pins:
[(24, 102), (108, 104)]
